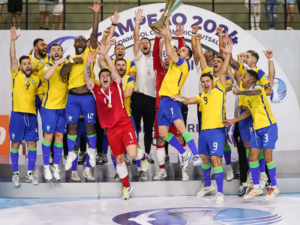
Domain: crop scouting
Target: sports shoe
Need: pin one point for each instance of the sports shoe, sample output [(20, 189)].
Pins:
[(87, 173), (133, 161), (243, 189), (75, 177), (81, 158), (252, 28), (161, 174), (47, 173), (144, 165), (92, 155), (185, 175), (30, 178), (16, 179), (185, 161), (127, 160), (229, 175), (219, 198), (126, 193), (263, 179), (257, 28), (71, 157), (205, 190), (253, 192), (149, 158), (98, 158), (117, 178), (197, 161), (142, 175), (55, 172), (167, 159), (289, 28), (104, 158), (272, 193)]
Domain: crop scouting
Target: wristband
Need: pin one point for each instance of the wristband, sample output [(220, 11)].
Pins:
[(179, 99), (138, 21), (222, 34), (180, 36), (271, 59), (72, 61), (114, 24), (194, 33)]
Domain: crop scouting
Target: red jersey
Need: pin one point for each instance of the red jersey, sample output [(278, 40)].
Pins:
[(116, 115), (160, 72)]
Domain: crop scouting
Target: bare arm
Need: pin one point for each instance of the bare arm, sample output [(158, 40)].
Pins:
[(228, 87), (101, 62), (234, 64), (248, 92), (186, 101), (128, 92), (194, 45), (136, 33), (221, 43), (268, 89), (49, 72), (88, 76), (271, 76), (203, 63), (237, 77), (227, 50), (114, 22), (13, 57), (65, 69), (94, 34), (114, 73), (244, 115), (41, 96)]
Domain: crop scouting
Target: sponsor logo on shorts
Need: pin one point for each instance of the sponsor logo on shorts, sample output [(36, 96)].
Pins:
[(13, 136), (70, 118), (48, 128)]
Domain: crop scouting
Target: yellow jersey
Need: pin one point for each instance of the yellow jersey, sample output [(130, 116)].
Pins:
[(127, 81), (175, 78), (216, 78), (76, 73), (263, 79), (259, 107), (24, 92), (130, 66), (213, 107), (56, 89)]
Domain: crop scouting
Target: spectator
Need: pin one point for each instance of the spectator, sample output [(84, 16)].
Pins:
[(271, 13), (255, 13), (298, 3), (57, 14), (290, 9), (15, 8), (2, 2), (46, 7)]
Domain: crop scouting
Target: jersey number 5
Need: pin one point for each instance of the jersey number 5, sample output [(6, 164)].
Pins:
[(206, 101)]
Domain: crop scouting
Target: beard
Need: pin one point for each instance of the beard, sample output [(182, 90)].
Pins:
[(41, 53)]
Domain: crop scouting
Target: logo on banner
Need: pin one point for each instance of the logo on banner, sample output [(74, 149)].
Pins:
[(279, 91), (194, 215), (4, 135)]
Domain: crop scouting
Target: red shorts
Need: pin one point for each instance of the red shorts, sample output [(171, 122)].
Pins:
[(172, 129), (121, 136)]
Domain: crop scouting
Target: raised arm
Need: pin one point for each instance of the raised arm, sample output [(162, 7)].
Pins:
[(94, 34), (49, 71), (114, 23), (247, 92), (271, 76), (13, 55), (234, 64), (179, 35), (227, 50), (156, 53), (221, 42), (87, 71), (136, 33), (194, 45), (203, 63)]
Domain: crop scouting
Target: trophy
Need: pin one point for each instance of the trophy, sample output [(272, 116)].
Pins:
[(171, 6)]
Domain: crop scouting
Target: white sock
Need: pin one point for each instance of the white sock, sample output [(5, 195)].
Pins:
[(46, 166), (185, 154), (252, 20), (160, 156), (262, 174), (140, 154), (88, 168), (56, 166), (122, 170), (28, 172), (256, 186)]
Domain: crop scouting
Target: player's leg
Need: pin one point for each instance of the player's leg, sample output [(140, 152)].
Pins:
[(1, 9), (269, 13), (291, 10), (104, 147), (87, 172), (99, 144), (30, 178), (14, 157), (252, 17), (274, 13), (257, 15), (74, 176), (227, 156)]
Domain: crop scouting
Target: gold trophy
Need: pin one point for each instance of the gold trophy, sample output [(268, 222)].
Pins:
[(171, 6)]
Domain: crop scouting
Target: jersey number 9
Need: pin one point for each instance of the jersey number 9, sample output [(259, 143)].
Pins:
[(206, 101), (64, 79)]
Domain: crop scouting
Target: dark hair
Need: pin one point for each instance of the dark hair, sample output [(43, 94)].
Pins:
[(54, 44), (36, 41), (117, 60), (87, 39), (22, 58), (219, 57), (79, 37), (207, 75), (144, 38), (104, 70), (190, 52), (253, 75), (119, 45), (175, 48), (254, 54), (209, 50)]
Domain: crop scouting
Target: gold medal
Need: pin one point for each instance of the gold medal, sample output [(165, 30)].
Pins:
[(148, 71), (109, 105)]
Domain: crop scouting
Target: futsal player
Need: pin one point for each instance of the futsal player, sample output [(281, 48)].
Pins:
[(23, 123), (213, 134), (80, 100), (53, 110), (169, 112), (264, 135), (113, 116)]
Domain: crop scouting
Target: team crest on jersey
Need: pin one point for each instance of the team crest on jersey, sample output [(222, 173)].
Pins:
[(70, 118), (48, 128), (13, 136), (33, 82)]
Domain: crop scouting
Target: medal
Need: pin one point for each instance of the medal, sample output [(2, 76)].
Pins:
[(109, 105), (108, 97), (148, 71)]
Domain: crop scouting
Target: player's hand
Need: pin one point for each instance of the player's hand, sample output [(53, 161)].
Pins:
[(268, 54), (115, 18), (61, 61), (240, 57), (219, 30), (106, 33), (198, 37), (78, 60), (91, 56), (163, 31), (229, 44), (102, 48), (158, 35), (195, 29), (110, 42), (235, 91), (177, 98), (96, 7), (31, 51), (139, 15), (228, 122), (13, 34), (179, 30)]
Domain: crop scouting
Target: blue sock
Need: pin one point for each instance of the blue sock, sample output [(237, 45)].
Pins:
[(262, 162), (87, 164), (74, 164), (57, 149), (138, 163), (227, 154), (219, 175), (92, 141), (175, 143), (31, 158), (104, 143), (272, 172), (46, 152), (71, 142), (206, 171), (14, 157), (189, 140), (254, 168), (113, 159)]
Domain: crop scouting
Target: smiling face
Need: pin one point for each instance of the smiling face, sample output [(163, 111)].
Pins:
[(217, 65), (80, 45), (207, 83), (121, 67), (105, 79), (26, 67), (166, 63), (209, 57), (56, 53), (119, 51), (249, 59), (247, 81), (145, 46), (41, 48)]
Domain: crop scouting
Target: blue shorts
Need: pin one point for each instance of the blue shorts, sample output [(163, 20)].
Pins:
[(78, 105), (264, 138), (211, 142), (23, 126), (136, 134), (246, 128), (168, 112), (81, 131), (38, 104), (53, 120)]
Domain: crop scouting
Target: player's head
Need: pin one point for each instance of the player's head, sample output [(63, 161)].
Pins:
[(119, 51), (105, 78), (209, 57), (217, 64), (251, 58), (207, 82), (145, 45), (40, 46), (25, 65), (88, 42), (80, 44), (166, 63), (249, 79), (121, 66), (185, 53), (56, 52)]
